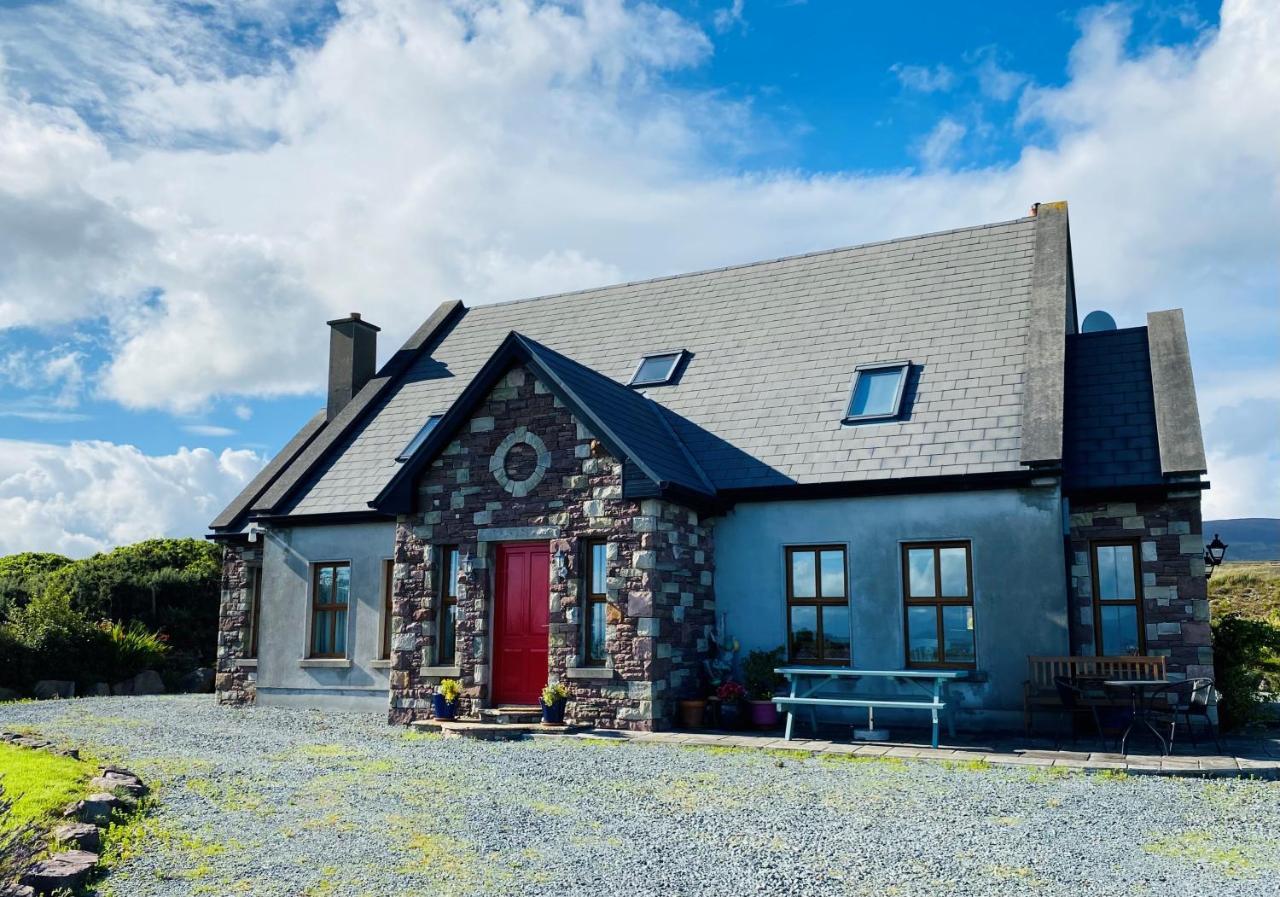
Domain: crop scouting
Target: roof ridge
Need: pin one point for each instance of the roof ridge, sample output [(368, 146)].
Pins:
[(739, 266)]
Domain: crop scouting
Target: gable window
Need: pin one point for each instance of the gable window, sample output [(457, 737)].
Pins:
[(937, 585), (417, 440), (447, 593), (593, 651), (330, 598), (817, 605), (388, 581), (1117, 612), (255, 613), (657, 369), (877, 391)]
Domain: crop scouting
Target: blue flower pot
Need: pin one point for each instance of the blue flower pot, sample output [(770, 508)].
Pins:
[(553, 714), (442, 709)]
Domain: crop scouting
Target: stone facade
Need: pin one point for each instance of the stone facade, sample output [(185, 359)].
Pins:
[(233, 680), (1175, 604), (524, 469)]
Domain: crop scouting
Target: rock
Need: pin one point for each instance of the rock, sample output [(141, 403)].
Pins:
[(8, 694), (54, 688), (73, 753), (148, 682), (81, 835), (99, 690), (123, 688), (199, 680), (117, 785), (64, 871), (97, 808), (16, 890), (31, 741)]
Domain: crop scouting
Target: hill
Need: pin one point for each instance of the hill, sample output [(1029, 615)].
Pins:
[(1249, 538)]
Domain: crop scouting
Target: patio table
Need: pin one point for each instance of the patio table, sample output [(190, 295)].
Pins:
[(809, 683), (1139, 707)]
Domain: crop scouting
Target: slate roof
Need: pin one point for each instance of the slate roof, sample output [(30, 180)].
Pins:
[(1110, 417)]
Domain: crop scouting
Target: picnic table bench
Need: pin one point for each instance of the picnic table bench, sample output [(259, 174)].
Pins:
[(809, 683)]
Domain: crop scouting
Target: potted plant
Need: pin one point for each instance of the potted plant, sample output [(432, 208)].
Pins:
[(692, 711), (553, 699), (762, 682), (444, 703), (731, 694)]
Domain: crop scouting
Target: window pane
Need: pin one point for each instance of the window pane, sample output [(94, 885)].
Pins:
[(803, 576), (343, 590), (1119, 629), (955, 573), (324, 585), (445, 647), (656, 369), (420, 438), (320, 633), (804, 633), (832, 563), (920, 570), (451, 578), (595, 633), (835, 633), (957, 634), (1115, 573), (599, 567), (876, 392), (340, 632), (922, 634)]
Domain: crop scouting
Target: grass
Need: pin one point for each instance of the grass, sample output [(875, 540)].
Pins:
[(40, 783), (1235, 859), (1251, 590)]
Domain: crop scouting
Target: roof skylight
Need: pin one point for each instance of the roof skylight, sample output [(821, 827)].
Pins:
[(877, 391), (417, 441), (657, 369)]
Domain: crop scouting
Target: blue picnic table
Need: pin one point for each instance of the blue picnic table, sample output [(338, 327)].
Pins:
[(808, 685)]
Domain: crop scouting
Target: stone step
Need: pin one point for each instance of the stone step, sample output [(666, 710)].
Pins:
[(485, 731), (508, 715)]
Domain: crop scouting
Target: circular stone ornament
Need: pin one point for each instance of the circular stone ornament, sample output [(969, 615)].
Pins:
[(520, 462)]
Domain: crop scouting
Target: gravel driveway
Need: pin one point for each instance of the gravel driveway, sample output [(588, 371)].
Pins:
[(273, 801)]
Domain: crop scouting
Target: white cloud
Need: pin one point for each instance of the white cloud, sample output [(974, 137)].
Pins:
[(208, 430), (940, 144), (243, 412), (729, 17), (90, 496), (923, 78)]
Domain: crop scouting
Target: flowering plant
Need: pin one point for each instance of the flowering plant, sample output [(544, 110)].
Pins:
[(730, 692), (450, 689), (554, 691)]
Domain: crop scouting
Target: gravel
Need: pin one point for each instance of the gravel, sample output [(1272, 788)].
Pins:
[(271, 801)]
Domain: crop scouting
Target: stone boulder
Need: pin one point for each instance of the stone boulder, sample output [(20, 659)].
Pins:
[(198, 681), (64, 871), (118, 784), (80, 835), (96, 808), (54, 688), (8, 694), (148, 682), (99, 690)]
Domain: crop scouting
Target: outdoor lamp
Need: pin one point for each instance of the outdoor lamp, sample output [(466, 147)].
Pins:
[(1214, 552), (465, 566), (561, 565)]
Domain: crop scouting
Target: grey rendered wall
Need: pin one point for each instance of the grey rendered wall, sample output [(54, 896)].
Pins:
[(284, 676), (1020, 594)]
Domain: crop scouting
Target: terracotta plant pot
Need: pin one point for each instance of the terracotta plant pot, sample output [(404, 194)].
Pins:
[(764, 714), (691, 713)]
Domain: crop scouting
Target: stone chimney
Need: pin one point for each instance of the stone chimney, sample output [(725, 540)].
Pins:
[(353, 356)]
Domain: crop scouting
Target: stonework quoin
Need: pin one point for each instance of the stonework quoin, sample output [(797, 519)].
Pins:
[(564, 488), (233, 681), (1175, 603)]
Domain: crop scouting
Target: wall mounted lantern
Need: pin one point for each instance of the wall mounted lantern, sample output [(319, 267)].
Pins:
[(1214, 552), (465, 566), (561, 565)]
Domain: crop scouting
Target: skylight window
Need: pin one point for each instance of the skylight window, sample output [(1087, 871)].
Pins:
[(417, 441), (657, 369), (877, 391)]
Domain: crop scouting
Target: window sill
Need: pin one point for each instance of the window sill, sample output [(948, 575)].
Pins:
[(338, 663), (380, 664), (247, 663), (589, 673), (442, 672)]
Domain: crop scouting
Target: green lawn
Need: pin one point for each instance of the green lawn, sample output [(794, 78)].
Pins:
[(39, 783)]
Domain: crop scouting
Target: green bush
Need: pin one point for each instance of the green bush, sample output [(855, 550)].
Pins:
[(758, 671), (1246, 655), (133, 648)]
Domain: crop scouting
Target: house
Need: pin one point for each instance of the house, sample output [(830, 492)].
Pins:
[(902, 454)]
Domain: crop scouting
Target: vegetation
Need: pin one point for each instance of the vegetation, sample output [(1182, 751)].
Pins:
[(553, 692), (19, 840), (758, 671), (1244, 602), (450, 689), (152, 605), (1251, 590), (39, 785)]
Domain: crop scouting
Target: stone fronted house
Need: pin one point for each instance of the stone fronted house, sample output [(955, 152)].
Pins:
[(903, 454)]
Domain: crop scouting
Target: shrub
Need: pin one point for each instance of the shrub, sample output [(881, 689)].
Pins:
[(758, 671), (134, 648), (450, 689), (1246, 655), (555, 691), (19, 841)]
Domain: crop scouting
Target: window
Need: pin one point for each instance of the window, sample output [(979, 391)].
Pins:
[(388, 581), (597, 569), (255, 612), (877, 391), (657, 369), (330, 597), (417, 441), (938, 587), (447, 590), (1117, 612), (817, 605)]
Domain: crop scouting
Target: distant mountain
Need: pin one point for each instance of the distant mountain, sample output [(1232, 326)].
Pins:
[(1248, 538)]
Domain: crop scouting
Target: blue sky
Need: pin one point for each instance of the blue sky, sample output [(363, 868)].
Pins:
[(192, 191)]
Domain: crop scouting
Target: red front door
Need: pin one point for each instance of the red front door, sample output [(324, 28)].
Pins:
[(520, 623)]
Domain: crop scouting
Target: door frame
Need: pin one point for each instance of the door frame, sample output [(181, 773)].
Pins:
[(492, 549)]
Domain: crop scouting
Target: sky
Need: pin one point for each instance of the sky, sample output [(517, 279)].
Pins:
[(189, 191)]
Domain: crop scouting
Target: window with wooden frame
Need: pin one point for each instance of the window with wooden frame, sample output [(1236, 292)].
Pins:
[(330, 598), (447, 595), (1117, 610), (388, 578), (817, 605), (255, 613), (937, 586), (595, 616)]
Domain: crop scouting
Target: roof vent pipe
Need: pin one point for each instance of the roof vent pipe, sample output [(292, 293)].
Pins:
[(353, 356)]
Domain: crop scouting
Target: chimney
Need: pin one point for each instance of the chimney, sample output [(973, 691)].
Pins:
[(353, 354)]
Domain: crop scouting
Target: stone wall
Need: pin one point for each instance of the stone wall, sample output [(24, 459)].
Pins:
[(661, 603), (1175, 604), (234, 683)]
